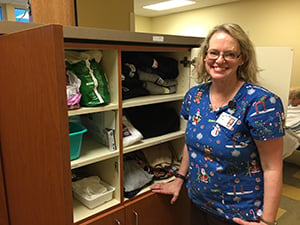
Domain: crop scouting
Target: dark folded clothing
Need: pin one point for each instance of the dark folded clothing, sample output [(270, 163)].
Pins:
[(166, 67), (153, 120), (132, 93), (156, 79), (130, 77), (131, 85), (155, 89)]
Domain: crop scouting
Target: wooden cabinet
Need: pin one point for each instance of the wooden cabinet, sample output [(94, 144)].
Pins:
[(34, 128), (113, 217), (3, 207), (35, 146), (156, 209), (47, 12), (147, 209)]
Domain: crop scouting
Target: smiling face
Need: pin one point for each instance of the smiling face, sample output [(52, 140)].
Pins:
[(226, 46)]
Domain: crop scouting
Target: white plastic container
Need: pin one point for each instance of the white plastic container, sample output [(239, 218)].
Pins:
[(98, 199)]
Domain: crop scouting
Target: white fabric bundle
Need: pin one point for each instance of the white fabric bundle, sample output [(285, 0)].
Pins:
[(293, 118), (130, 134)]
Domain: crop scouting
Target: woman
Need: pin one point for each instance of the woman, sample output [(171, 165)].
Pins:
[(232, 161)]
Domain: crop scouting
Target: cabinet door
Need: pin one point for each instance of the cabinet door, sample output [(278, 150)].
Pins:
[(3, 207), (156, 209), (34, 127), (113, 217)]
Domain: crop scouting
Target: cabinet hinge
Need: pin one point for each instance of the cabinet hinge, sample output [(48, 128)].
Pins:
[(187, 62)]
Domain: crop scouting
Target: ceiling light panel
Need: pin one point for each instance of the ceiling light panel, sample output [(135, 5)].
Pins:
[(171, 4)]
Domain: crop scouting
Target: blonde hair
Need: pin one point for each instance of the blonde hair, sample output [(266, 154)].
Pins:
[(246, 72), (294, 93)]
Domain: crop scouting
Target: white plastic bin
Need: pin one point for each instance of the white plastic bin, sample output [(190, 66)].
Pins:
[(98, 199)]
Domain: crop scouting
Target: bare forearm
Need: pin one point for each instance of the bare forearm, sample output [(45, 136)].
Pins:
[(184, 166), (174, 187), (271, 161), (272, 193)]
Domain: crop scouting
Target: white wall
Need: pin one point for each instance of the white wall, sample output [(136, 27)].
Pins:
[(274, 61)]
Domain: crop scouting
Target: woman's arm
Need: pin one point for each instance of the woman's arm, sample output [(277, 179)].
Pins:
[(184, 166), (174, 187), (271, 160)]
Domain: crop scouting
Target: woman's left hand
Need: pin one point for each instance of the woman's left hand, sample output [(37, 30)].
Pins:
[(244, 222)]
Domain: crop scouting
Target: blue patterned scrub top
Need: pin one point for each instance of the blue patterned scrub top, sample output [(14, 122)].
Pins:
[(225, 174)]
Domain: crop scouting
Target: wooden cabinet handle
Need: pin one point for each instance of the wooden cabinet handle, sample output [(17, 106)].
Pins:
[(136, 217), (118, 222)]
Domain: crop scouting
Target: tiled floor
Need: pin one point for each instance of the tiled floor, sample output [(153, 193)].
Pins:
[(289, 211), (291, 192)]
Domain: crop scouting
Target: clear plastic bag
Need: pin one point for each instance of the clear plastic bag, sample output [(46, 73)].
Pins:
[(73, 93)]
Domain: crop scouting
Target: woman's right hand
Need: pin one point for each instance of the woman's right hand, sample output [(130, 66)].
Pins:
[(170, 188)]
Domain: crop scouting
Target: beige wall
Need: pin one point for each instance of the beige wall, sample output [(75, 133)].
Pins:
[(111, 14), (143, 24), (268, 23)]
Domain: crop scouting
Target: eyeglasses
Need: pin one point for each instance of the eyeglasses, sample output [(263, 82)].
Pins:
[(213, 54)]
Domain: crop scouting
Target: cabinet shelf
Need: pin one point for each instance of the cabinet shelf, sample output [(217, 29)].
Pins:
[(147, 189), (144, 143), (146, 100), (87, 110), (91, 152), (81, 212)]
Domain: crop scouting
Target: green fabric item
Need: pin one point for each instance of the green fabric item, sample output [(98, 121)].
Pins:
[(94, 84)]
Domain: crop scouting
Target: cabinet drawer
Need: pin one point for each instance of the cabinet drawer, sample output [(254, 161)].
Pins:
[(114, 217), (156, 209)]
